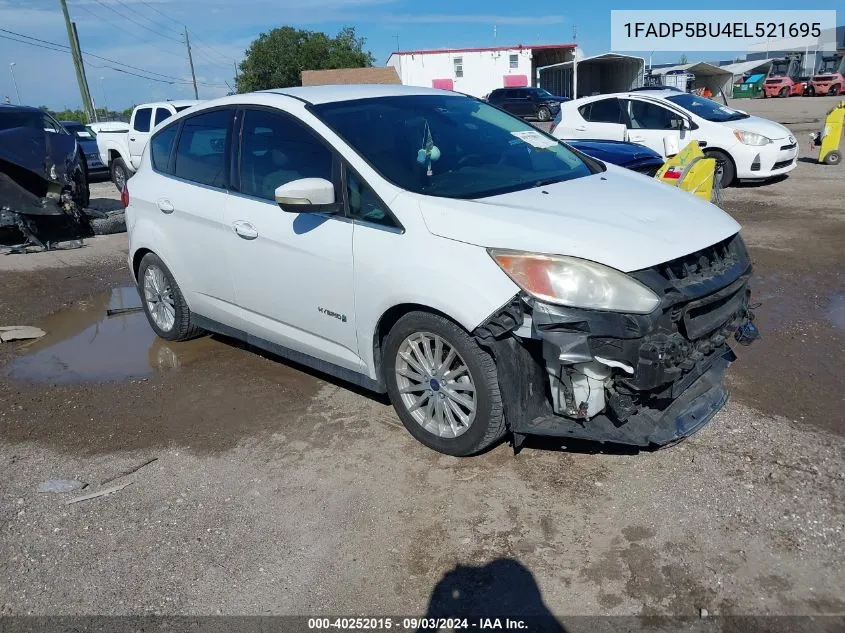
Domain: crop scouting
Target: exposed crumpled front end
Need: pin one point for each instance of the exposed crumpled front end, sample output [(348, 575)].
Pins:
[(638, 379), (43, 188)]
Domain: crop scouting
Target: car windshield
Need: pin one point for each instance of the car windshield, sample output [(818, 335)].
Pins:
[(80, 131), (450, 146), (706, 108)]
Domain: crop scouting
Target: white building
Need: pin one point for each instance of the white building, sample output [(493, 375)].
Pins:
[(477, 71)]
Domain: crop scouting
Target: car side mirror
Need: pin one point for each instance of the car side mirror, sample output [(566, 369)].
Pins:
[(307, 195)]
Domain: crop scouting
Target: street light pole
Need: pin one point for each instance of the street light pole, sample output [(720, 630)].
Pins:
[(15, 82)]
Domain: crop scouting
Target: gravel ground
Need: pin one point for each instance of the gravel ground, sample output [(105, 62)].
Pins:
[(278, 491)]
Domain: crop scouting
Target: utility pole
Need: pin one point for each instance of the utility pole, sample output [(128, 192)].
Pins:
[(77, 63), (14, 81), (191, 62), (235, 64), (84, 76)]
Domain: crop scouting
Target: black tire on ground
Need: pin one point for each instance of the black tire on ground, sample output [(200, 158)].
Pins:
[(109, 225), (119, 173), (182, 329), (543, 113), (833, 158), (834, 90), (728, 169), (489, 423), (784, 92)]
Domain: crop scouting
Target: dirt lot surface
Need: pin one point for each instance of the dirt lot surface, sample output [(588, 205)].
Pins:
[(277, 491)]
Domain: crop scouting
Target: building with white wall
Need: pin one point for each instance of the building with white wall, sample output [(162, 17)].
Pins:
[(477, 71)]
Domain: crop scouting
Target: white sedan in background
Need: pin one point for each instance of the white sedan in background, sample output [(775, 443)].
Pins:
[(749, 147)]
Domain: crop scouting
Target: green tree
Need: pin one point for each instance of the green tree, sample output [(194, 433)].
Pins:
[(683, 60), (277, 59)]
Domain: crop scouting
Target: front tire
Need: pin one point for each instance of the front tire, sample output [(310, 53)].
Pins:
[(443, 384), (784, 93), (544, 114), (119, 173), (163, 302), (728, 169), (834, 90), (833, 158)]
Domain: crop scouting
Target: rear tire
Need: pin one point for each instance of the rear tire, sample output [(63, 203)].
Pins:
[(833, 158), (119, 173), (728, 169), (163, 302), (544, 114), (784, 93), (834, 90), (427, 361)]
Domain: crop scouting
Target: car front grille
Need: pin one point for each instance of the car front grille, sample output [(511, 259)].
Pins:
[(782, 164)]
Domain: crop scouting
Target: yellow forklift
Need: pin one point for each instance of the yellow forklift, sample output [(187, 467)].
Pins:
[(830, 136)]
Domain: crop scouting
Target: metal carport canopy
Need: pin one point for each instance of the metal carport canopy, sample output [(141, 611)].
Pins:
[(740, 68), (598, 74), (706, 75)]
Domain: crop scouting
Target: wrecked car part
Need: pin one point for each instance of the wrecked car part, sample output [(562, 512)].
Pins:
[(640, 379), (43, 183)]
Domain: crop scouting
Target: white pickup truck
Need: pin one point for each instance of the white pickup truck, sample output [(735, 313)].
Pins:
[(121, 148)]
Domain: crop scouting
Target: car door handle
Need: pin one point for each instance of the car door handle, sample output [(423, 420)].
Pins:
[(165, 206), (637, 139), (581, 129), (244, 230), (131, 138)]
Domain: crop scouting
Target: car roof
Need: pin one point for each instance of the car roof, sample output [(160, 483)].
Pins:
[(176, 103), (334, 93), (640, 94), (10, 107)]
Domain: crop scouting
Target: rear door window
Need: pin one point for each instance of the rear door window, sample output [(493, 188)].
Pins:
[(201, 153), (603, 111), (141, 123), (161, 115)]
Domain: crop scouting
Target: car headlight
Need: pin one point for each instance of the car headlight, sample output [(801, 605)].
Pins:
[(574, 282), (751, 138)]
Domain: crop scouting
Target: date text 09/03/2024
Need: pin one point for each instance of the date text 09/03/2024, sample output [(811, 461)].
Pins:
[(416, 624)]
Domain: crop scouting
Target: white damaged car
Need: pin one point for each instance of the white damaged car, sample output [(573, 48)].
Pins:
[(425, 244)]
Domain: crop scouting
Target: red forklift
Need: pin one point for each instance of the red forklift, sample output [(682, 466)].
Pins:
[(830, 78), (784, 78)]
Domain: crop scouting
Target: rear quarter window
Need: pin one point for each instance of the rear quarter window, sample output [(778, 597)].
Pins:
[(141, 123), (161, 147)]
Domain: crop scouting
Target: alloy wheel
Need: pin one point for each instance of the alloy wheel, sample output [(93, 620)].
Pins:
[(435, 385), (159, 298)]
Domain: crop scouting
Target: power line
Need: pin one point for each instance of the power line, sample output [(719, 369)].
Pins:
[(121, 28), (135, 11), (134, 21), (66, 49)]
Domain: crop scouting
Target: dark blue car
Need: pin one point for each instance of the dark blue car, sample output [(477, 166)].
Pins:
[(629, 155), (87, 140)]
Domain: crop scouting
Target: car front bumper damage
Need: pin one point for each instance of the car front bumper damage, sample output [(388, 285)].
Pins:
[(642, 380)]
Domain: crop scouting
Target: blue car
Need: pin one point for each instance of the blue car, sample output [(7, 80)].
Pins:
[(87, 140), (629, 155)]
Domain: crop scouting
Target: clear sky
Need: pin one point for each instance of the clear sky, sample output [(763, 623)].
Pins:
[(146, 34)]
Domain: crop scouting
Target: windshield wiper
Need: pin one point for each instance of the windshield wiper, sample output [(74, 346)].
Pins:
[(548, 181)]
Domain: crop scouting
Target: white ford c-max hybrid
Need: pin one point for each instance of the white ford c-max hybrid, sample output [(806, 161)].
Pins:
[(428, 245)]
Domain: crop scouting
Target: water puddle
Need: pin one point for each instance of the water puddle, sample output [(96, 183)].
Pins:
[(84, 344), (835, 311)]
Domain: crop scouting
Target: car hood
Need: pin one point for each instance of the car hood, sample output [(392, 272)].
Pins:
[(762, 126), (617, 218), (616, 152)]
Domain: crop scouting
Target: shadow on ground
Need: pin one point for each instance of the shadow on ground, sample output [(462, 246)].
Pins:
[(503, 589)]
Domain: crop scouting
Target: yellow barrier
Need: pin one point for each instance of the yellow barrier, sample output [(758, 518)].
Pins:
[(829, 153), (691, 171)]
